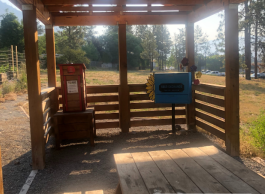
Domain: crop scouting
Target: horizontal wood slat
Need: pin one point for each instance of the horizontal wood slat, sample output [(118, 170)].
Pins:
[(107, 116), (209, 99), (105, 107), (153, 122), (157, 113), (139, 97), (107, 125), (152, 105), (102, 89), (59, 90), (137, 88), (210, 109), (212, 89), (46, 93), (46, 104), (210, 119), (210, 129), (102, 98)]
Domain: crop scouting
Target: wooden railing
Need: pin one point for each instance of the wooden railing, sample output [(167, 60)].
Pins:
[(210, 108), (47, 111), (153, 112)]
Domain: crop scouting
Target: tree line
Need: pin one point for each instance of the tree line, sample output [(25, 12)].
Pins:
[(148, 45)]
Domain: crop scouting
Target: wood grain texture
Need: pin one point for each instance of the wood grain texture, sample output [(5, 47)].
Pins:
[(157, 113), (175, 176), (232, 81), (134, 97), (210, 109), (211, 100), (112, 98), (137, 87), (197, 174), (34, 88), (152, 176), (210, 129), (144, 105), (154, 122), (102, 89), (210, 88), (107, 116), (124, 99), (129, 176), (105, 107), (233, 183), (210, 119), (237, 168)]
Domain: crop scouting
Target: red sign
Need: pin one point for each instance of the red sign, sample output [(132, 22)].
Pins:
[(70, 69)]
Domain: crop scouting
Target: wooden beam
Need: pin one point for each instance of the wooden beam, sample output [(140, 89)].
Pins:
[(57, 8), (190, 113), (1, 175), (207, 10), (232, 80), (123, 2), (42, 13), (34, 86), (124, 95), (82, 20), (51, 66)]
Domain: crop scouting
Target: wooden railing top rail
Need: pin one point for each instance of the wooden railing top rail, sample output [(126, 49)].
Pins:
[(137, 87), (45, 93), (210, 88), (102, 89)]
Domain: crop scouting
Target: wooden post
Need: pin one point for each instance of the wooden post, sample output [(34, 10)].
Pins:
[(1, 176), (12, 58), (34, 86), (190, 108), (124, 97), (232, 80), (17, 61), (51, 65)]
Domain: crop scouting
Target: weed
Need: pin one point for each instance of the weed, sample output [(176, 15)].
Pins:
[(257, 131), (8, 87)]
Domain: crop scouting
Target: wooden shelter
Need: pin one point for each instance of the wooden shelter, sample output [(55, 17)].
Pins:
[(217, 112)]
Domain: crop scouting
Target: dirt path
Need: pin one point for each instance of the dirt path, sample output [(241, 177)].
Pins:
[(15, 144)]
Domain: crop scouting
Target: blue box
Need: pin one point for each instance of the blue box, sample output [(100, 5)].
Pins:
[(173, 88)]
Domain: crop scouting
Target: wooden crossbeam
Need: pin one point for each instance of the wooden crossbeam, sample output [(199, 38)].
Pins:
[(123, 2), (42, 13), (55, 8), (81, 20)]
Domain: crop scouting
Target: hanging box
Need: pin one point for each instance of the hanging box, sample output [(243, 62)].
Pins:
[(173, 88), (73, 84)]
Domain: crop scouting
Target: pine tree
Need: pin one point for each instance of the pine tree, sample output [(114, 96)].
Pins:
[(180, 47)]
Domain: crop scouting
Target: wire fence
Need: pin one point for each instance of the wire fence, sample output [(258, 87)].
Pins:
[(11, 60)]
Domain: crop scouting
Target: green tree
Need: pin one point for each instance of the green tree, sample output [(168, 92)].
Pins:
[(91, 52), (73, 56), (149, 48), (134, 49), (220, 41), (11, 32), (180, 47)]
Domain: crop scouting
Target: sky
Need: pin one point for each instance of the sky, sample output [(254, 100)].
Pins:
[(208, 25)]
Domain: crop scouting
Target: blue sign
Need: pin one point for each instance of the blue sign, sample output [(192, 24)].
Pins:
[(173, 88)]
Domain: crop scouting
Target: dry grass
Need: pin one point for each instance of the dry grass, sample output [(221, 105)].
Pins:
[(11, 97)]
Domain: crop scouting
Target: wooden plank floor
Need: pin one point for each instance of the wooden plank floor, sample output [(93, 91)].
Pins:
[(189, 170)]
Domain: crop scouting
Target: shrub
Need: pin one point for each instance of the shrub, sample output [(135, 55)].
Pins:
[(8, 86), (21, 82), (257, 132)]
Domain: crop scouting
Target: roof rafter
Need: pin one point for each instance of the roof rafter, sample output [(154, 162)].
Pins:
[(165, 8), (122, 2), (86, 19)]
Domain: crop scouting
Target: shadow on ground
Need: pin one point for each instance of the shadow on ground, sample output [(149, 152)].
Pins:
[(77, 167)]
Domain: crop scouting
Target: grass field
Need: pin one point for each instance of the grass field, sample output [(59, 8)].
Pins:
[(252, 93)]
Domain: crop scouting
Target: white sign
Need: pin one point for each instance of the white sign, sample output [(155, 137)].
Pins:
[(72, 86)]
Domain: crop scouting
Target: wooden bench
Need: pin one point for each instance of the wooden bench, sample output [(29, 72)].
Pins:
[(189, 170), (75, 125)]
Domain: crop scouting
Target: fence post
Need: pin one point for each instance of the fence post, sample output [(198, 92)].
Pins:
[(17, 61), (1, 176), (232, 80), (12, 58), (124, 97), (190, 108)]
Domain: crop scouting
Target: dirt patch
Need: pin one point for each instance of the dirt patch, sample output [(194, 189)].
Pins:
[(11, 96)]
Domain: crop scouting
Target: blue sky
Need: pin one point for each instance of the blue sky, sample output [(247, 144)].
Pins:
[(208, 25)]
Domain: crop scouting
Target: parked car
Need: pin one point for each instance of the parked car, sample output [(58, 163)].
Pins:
[(221, 74), (259, 75), (207, 71), (213, 73)]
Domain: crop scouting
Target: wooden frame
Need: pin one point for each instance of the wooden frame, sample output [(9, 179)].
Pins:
[(48, 12), (1, 175)]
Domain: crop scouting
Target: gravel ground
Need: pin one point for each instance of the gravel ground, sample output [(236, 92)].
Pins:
[(77, 166)]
